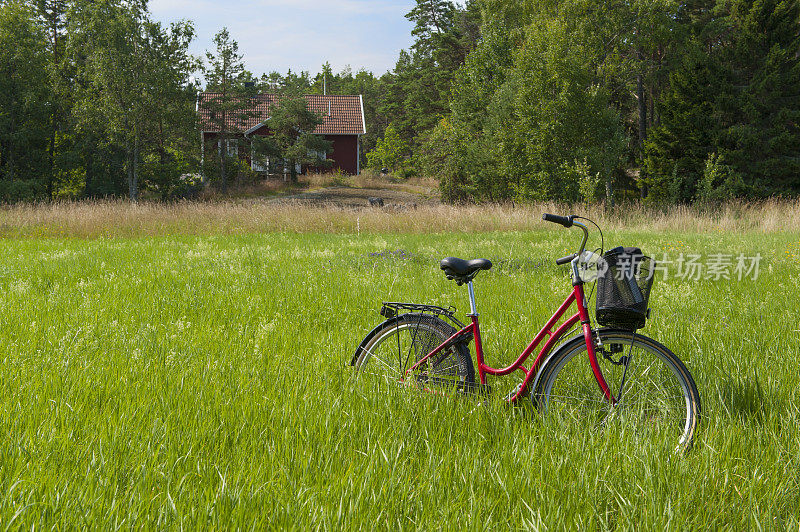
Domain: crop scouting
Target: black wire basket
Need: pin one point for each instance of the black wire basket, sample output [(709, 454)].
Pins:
[(625, 277)]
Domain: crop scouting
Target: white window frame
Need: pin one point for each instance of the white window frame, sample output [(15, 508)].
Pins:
[(261, 166), (233, 147), (318, 154)]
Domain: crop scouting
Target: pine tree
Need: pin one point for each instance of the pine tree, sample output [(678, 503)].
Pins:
[(291, 125), (738, 96), (678, 148), (760, 105), (54, 15), (396, 94), (419, 88), (225, 77), (431, 18)]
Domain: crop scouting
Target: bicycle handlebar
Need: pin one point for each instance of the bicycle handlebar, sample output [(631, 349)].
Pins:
[(568, 221), (566, 260)]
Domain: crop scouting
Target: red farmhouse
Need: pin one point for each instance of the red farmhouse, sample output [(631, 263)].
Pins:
[(343, 124)]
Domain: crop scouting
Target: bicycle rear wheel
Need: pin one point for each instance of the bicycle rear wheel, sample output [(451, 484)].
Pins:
[(656, 394), (400, 342)]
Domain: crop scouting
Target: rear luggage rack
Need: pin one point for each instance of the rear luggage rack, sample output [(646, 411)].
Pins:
[(390, 310)]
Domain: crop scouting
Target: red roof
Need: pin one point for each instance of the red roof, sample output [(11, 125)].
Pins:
[(346, 114)]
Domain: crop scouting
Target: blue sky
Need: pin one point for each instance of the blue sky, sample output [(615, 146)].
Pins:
[(300, 34)]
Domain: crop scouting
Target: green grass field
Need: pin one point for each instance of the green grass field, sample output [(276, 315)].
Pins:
[(202, 381)]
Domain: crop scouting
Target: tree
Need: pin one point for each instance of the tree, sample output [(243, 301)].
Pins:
[(720, 182), (395, 95), (170, 130), (389, 151), (129, 100), (759, 105), (738, 96), (417, 91), (54, 15), (230, 104), (465, 149), (529, 107), (431, 17), (291, 126), (371, 88), (118, 75), (24, 121), (561, 114), (296, 84), (435, 55), (689, 130), (133, 74), (326, 82)]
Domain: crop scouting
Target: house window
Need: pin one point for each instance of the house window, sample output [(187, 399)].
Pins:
[(318, 154), (298, 168), (233, 148), (260, 164)]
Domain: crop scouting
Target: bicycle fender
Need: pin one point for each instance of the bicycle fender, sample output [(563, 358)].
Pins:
[(370, 336), (395, 321)]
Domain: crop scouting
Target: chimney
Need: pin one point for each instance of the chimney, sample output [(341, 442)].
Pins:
[(329, 108)]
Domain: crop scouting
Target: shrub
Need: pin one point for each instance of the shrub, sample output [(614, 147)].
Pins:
[(720, 182)]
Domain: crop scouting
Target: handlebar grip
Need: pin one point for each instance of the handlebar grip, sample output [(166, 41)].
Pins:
[(566, 260), (566, 221)]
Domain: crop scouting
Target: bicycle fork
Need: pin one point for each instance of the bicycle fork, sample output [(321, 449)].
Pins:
[(580, 300)]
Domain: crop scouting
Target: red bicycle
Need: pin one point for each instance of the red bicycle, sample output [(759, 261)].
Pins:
[(605, 374)]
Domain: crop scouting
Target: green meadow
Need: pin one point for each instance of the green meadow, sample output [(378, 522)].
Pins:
[(203, 381)]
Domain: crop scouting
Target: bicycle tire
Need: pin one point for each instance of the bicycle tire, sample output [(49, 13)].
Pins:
[(397, 344), (657, 391)]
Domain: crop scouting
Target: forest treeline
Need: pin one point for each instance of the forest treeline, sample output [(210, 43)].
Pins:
[(587, 99), (574, 100)]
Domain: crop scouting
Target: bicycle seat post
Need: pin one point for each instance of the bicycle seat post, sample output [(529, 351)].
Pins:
[(472, 307)]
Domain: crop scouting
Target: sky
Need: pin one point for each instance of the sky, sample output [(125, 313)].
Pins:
[(299, 34)]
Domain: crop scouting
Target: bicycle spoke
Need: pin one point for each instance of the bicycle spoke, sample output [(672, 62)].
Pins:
[(649, 392), (413, 339), (399, 356), (642, 388), (385, 364), (578, 399)]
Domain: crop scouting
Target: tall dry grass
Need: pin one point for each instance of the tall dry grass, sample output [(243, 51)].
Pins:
[(369, 179), (121, 219)]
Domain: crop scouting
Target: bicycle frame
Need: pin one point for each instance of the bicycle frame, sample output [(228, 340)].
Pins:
[(582, 315)]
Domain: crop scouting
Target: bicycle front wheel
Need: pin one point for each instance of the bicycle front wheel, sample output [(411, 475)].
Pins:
[(388, 353), (656, 396)]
